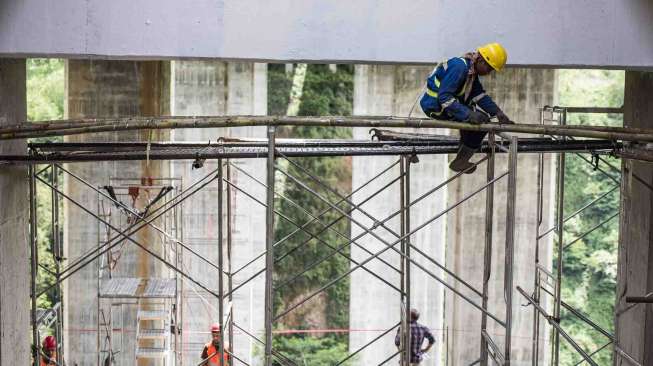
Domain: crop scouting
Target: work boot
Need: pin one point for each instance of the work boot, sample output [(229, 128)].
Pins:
[(461, 162)]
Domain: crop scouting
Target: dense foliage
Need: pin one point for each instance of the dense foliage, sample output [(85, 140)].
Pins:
[(324, 93)]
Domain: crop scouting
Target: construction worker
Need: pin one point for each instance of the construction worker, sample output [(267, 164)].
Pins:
[(48, 351), (454, 92), (418, 333), (210, 354)]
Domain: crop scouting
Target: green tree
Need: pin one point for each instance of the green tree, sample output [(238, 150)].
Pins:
[(324, 93)]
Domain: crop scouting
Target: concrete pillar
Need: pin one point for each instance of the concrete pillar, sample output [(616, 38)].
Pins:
[(107, 89), (217, 88), (374, 306), (14, 220), (520, 93), (634, 328)]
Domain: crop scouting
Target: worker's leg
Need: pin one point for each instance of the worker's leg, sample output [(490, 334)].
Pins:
[(470, 141)]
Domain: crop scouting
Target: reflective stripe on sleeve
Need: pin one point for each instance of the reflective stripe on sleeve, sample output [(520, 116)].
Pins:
[(478, 97)]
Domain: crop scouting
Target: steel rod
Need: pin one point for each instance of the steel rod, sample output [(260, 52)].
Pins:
[(497, 352), (594, 352), (560, 197), (220, 248), (269, 247), (592, 230), (511, 199), (557, 327), (68, 127), (140, 217), (276, 354), (36, 349), (128, 237), (230, 282), (391, 246), (151, 213), (313, 236), (580, 210), (406, 258), (319, 215), (487, 255), (366, 345), (417, 200)]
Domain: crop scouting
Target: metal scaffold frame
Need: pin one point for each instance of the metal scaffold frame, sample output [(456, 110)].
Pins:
[(406, 146)]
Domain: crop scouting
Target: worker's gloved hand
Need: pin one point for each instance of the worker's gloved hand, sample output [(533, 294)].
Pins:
[(478, 117), (503, 119)]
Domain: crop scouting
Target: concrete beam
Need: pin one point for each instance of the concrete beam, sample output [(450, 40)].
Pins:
[(14, 220), (605, 33)]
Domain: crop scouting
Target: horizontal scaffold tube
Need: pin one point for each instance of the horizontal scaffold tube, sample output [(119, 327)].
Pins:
[(81, 126)]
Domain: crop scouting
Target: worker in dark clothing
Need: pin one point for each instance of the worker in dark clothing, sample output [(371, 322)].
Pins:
[(210, 354), (418, 333), (454, 92)]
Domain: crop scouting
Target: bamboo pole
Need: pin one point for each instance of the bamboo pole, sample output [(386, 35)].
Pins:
[(94, 125)]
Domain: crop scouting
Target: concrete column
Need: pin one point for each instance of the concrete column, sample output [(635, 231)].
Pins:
[(105, 89), (217, 88), (634, 328), (520, 93), (374, 306), (14, 220)]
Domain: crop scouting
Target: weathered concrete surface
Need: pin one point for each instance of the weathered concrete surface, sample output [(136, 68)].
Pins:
[(520, 93), (205, 88), (374, 306), (107, 88), (634, 328), (605, 33), (15, 337)]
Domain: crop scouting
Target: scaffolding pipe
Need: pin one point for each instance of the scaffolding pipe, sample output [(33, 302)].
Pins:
[(555, 357), (487, 255), (557, 327), (220, 259), (511, 201), (269, 247), (36, 345), (92, 125)]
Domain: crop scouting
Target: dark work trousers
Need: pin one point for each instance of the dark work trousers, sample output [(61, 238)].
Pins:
[(471, 139)]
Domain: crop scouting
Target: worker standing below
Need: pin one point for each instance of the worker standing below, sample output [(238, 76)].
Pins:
[(454, 92), (418, 333), (210, 354), (48, 351)]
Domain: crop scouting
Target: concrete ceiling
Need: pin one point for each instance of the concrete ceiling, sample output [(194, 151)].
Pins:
[(560, 33)]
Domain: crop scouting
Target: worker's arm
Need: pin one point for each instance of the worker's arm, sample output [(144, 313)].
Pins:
[(453, 79), (429, 336), (486, 103), (483, 100), (205, 355)]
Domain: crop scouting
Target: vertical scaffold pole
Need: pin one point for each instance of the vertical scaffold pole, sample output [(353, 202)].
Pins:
[(536, 286), (57, 252), (510, 242), (220, 260), (230, 282), (487, 263), (560, 234), (34, 262), (269, 246), (404, 358), (405, 201)]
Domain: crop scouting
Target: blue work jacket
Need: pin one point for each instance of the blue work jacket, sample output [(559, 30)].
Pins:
[(445, 92)]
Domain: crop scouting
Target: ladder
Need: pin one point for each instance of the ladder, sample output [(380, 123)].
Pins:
[(153, 327)]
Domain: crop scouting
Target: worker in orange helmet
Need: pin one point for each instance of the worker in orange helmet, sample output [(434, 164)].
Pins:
[(210, 354), (454, 92), (48, 351)]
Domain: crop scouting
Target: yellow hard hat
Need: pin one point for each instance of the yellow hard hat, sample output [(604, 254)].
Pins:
[(494, 54)]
